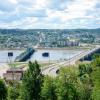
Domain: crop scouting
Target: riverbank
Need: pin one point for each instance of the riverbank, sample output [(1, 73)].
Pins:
[(47, 48), (63, 48)]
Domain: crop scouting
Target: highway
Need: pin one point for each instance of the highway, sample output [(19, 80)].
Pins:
[(52, 69)]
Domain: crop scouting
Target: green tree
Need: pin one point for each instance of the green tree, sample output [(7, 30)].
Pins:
[(95, 56), (96, 62), (96, 88), (85, 69), (69, 87), (96, 78), (3, 90), (13, 91), (48, 89), (32, 82)]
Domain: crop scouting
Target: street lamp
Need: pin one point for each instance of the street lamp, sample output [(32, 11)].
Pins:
[(10, 55)]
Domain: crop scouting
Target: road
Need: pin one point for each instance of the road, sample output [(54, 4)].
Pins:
[(52, 69)]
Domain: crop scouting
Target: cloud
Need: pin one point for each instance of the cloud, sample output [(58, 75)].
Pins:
[(7, 5), (49, 13)]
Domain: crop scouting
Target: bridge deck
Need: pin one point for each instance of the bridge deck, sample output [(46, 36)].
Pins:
[(52, 69)]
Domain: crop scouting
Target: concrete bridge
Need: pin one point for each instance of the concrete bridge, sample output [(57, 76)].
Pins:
[(51, 70)]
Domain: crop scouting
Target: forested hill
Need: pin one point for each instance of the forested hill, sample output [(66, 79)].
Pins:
[(14, 31)]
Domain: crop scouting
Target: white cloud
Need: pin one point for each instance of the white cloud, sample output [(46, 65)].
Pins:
[(48, 13), (41, 4), (13, 1)]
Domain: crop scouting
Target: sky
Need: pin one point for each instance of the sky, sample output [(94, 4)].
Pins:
[(49, 14)]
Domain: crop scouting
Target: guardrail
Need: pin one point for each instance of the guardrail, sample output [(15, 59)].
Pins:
[(52, 69)]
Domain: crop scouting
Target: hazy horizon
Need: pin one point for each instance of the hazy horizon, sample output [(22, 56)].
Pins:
[(48, 28)]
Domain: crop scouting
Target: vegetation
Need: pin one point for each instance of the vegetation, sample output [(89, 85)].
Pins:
[(3, 90), (21, 39), (13, 93), (31, 83), (96, 78), (78, 83), (48, 89)]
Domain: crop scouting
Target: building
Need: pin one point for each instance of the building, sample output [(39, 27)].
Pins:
[(13, 74), (64, 43)]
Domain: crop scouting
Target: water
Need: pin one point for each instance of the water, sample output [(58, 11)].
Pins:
[(54, 55), (4, 55)]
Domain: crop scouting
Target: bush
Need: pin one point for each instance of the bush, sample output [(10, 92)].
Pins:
[(3, 90)]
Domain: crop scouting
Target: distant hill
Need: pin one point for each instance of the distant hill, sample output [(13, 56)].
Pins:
[(6, 31)]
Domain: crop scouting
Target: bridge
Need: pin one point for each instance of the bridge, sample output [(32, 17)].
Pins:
[(25, 55), (51, 70)]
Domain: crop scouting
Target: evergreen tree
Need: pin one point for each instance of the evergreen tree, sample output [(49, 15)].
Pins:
[(32, 82)]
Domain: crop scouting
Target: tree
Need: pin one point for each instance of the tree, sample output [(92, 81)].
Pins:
[(96, 88), (85, 69), (3, 90), (13, 92), (69, 87), (32, 82), (96, 78), (95, 56), (48, 89), (96, 62)]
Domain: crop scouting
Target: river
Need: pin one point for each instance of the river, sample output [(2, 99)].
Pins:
[(54, 55)]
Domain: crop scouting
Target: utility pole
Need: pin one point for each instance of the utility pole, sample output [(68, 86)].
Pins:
[(10, 56), (69, 59), (49, 58)]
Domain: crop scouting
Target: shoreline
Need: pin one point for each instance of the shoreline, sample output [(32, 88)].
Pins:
[(59, 49), (64, 48), (11, 49), (46, 48)]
